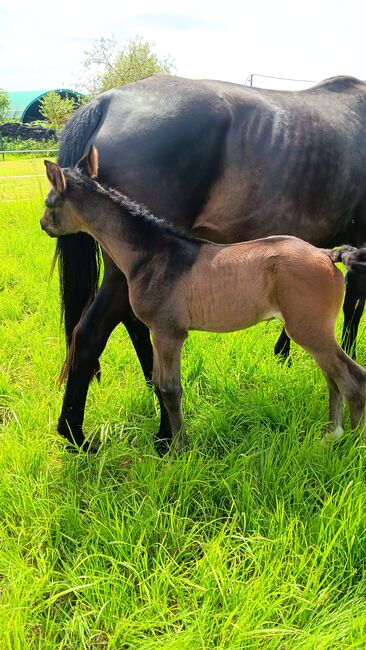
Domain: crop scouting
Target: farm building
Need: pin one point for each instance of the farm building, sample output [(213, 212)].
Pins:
[(24, 105)]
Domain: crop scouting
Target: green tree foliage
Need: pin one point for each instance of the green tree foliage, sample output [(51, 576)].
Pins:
[(108, 67), (4, 103), (56, 110)]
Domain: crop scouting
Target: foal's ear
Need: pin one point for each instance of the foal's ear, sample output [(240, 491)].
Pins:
[(55, 176), (89, 163)]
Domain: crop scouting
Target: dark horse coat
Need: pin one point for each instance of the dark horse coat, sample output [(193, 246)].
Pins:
[(177, 283), (227, 163)]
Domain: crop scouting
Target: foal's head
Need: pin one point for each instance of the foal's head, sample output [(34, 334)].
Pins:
[(60, 217)]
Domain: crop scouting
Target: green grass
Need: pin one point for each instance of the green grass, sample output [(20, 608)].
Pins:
[(254, 539)]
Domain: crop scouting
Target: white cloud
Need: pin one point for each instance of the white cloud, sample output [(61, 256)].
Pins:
[(42, 44)]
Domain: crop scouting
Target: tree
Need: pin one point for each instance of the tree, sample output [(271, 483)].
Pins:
[(56, 110), (108, 67), (4, 103)]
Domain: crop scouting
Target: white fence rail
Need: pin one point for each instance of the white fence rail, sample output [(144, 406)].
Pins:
[(3, 152), (278, 83)]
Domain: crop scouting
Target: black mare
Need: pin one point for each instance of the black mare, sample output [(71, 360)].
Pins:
[(225, 162)]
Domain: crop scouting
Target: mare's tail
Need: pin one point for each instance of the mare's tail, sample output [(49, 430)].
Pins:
[(78, 255), (353, 258)]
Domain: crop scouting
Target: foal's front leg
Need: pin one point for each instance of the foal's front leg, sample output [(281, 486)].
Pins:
[(90, 338), (167, 381), (110, 307)]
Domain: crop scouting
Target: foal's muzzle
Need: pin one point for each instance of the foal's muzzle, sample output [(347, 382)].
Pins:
[(46, 228)]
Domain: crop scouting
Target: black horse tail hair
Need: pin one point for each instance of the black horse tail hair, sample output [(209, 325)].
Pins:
[(353, 258), (78, 255)]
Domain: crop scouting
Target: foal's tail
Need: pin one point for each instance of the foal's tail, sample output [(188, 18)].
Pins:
[(353, 258)]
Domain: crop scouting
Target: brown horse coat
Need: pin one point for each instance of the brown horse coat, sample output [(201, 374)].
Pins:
[(177, 283)]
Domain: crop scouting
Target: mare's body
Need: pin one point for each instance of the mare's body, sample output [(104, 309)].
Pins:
[(224, 162), (177, 283)]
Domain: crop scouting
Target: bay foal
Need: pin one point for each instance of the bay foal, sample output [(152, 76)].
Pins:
[(177, 283)]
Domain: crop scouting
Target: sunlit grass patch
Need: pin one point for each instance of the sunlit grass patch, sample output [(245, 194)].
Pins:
[(254, 539)]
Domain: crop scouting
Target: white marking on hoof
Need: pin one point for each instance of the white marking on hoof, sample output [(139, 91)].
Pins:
[(331, 436)]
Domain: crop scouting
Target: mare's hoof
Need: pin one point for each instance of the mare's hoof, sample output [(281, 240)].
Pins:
[(86, 446), (162, 446), (283, 357)]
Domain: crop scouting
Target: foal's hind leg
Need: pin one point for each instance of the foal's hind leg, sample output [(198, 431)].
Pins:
[(343, 375), (351, 381), (331, 371), (167, 381), (335, 417)]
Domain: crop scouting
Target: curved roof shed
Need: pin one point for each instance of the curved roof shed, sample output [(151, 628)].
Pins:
[(24, 105)]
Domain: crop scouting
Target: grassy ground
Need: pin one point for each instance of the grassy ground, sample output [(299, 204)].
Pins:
[(255, 539)]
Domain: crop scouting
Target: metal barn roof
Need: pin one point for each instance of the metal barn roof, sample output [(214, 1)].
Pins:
[(24, 104)]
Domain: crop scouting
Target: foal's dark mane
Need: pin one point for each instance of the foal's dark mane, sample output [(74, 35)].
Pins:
[(149, 225)]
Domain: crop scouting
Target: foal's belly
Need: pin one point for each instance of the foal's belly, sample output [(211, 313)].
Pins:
[(225, 325), (230, 310), (231, 288)]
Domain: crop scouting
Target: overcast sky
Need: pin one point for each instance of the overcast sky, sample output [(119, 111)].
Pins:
[(42, 43)]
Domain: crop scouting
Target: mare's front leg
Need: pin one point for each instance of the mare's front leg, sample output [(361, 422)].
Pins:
[(167, 381)]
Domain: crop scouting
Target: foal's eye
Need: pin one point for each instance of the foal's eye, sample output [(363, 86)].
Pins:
[(51, 208)]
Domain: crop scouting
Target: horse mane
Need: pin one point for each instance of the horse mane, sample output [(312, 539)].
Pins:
[(156, 226)]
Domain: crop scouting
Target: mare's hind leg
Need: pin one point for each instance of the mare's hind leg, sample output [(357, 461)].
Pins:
[(282, 347), (167, 381), (354, 302)]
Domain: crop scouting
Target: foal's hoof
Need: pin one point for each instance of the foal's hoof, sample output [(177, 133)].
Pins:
[(330, 437), (179, 446), (175, 446)]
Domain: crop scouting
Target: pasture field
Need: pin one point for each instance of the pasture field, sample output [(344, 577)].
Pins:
[(256, 538)]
